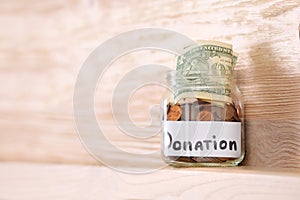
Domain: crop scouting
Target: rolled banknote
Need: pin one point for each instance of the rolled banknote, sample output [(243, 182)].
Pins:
[(209, 66)]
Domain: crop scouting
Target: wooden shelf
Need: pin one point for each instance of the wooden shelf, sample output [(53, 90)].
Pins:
[(53, 181)]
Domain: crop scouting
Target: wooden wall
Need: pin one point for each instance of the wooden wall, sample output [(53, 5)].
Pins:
[(44, 43)]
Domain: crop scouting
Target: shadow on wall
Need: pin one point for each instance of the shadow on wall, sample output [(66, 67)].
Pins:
[(270, 85), (271, 90)]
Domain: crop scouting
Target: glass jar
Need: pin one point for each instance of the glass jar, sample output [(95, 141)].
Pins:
[(203, 123)]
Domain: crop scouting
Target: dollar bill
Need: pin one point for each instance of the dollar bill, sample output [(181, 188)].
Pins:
[(210, 57), (210, 66)]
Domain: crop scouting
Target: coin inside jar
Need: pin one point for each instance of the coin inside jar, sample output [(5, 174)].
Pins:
[(174, 113), (205, 116), (229, 112), (218, 113)]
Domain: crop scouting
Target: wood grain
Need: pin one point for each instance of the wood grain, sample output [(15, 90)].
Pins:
[(44, 43), (37, 181)]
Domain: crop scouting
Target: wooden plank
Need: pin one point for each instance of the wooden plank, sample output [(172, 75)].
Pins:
[(45, 181), (44, 44)]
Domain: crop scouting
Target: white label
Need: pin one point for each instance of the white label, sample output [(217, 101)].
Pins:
[(202, 139)]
